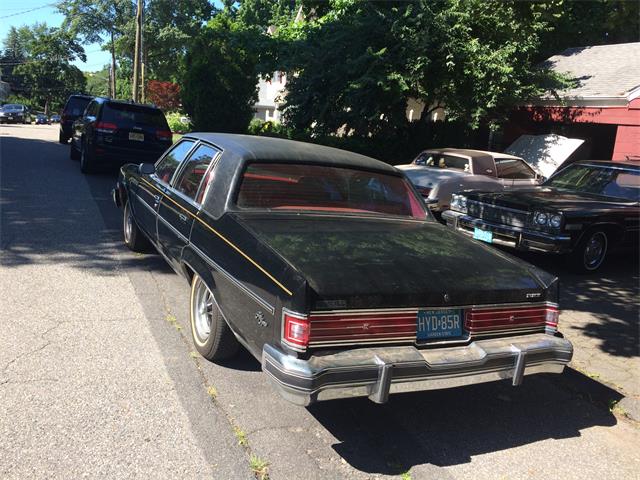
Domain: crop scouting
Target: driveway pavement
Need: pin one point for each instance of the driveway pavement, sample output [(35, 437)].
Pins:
[(99, 378)]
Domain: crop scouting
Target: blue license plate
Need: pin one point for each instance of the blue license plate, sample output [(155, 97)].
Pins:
[(441, 323), (484, 235)]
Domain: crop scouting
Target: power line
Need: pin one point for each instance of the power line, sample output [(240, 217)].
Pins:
[(48, 5)]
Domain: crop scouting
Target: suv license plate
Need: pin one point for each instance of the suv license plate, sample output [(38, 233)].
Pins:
[(138, 137), (441, 323), (484, 235)]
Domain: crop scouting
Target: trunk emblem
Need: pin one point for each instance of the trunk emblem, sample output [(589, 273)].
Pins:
[(446, 298), (260, 319)]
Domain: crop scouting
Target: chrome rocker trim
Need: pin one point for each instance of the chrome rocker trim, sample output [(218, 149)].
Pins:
[(378, 371), (518, 238)]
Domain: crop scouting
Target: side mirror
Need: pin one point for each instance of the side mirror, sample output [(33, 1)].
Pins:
[(146, 168)]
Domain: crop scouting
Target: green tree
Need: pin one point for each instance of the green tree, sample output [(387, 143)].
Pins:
[(98, 82), (219, 87), (95, 19), (46, 75)]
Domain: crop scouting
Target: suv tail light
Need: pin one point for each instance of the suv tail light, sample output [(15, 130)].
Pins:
[(295, 330), (106, 127), (163, 134)]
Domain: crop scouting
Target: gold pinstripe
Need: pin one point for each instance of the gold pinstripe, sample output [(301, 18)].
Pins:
[(222, 237)]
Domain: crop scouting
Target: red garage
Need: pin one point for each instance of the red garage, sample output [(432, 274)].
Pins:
[(603, 107)]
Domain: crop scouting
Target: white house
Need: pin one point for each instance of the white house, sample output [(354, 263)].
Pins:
[(270, 97)]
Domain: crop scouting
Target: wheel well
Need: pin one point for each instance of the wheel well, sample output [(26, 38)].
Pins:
[(614, 232), (188, 272)]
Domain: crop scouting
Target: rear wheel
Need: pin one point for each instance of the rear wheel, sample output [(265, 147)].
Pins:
[(87, 162), (133, 236), (590, 252), (212, 337)]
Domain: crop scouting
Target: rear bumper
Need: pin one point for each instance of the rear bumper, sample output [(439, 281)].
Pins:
[(377, 372), (108, 155), (509, 236)]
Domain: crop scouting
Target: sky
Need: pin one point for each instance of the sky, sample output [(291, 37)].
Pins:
[(15, 13)]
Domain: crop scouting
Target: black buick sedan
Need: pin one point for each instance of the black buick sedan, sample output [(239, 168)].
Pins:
[(585, 210), (326, 266)]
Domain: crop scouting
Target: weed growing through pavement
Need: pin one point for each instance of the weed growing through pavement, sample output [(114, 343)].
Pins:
[(171, 318), (405, 476), (241, 436), (259, 467), (212, 392)]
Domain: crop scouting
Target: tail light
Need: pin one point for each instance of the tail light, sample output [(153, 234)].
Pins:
[(163, 134), (487, 320), (295, 330), (106, 127)]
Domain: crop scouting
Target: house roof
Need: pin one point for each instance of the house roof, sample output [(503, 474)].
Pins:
[(604, 73)]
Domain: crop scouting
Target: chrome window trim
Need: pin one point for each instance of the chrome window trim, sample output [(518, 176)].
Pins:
[(178, 173), (415, 309), (257, 298)]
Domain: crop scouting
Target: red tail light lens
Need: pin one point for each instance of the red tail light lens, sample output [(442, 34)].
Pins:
[(495, 319), (163, 134), (106, 127), (362, 327), (295, 329)]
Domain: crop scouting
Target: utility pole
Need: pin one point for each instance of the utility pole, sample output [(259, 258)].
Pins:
[(142, 62), (136, 56)]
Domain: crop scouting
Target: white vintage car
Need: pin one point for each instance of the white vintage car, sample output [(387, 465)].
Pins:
[(439, 173)]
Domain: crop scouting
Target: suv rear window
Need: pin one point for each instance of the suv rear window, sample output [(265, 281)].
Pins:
[(125, 115), (321, 188), (76, 105)]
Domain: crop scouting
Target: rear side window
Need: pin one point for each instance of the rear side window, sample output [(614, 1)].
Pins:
[(76, 105), (127, 116), (513, 168), (322, 188), (167, 166), (442, 161), (193, 172)]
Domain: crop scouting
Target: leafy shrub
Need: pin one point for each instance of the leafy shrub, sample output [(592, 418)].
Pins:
[(176, 122)]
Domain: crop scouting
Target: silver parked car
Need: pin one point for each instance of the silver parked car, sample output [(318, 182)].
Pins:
[(439, 173)]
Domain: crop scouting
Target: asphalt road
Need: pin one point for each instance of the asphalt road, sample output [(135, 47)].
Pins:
[(99, 378)]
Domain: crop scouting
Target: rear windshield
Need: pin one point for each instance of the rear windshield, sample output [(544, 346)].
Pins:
[(76, 105), (326, 189), (125, 115), (442, 161), (13, 108)]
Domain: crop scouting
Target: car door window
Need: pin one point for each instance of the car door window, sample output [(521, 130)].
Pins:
[(191, 175), (513, 168), (167, 165)]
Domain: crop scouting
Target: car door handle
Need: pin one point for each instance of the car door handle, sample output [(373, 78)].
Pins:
[(182, 217)]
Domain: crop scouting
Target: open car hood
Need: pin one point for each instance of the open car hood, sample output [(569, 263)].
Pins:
[(545, 153)]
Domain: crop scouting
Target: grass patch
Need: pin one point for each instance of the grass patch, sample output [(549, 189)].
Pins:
[(259, 467), (241, 436), (405, 476)]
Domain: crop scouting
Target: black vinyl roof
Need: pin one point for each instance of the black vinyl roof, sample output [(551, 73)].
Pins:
[(256, 148)]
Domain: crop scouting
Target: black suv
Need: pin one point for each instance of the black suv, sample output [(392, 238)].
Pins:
[(112, 133), (72, 111)]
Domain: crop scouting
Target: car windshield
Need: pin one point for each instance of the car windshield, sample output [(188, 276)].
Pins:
[(610, 181), (126, 116), (319, 188)]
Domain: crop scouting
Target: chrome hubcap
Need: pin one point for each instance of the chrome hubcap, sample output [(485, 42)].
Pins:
[(202, 312), (595, 250)]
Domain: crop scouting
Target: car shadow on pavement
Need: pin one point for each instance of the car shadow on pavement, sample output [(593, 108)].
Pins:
[(449, 427), (610, 295)]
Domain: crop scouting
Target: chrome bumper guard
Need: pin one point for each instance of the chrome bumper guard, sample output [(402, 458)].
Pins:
[(507, 235), (377, 372)]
